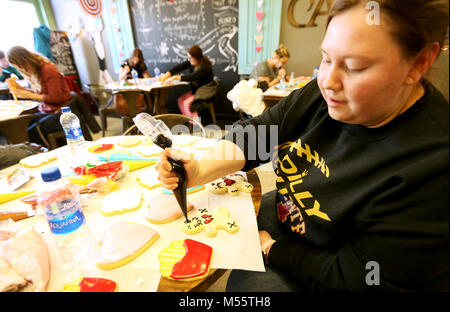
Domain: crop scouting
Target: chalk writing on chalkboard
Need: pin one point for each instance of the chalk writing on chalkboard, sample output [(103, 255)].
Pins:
[(165, 30), (62, 52)]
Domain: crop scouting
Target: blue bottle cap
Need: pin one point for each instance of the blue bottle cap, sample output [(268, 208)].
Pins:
[(50, 174), (65, 109)]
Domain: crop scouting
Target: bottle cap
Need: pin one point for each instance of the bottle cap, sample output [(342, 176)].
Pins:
[(65, 109), (50, 174)]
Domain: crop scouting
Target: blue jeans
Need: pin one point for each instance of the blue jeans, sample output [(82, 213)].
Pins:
[(271, 280)]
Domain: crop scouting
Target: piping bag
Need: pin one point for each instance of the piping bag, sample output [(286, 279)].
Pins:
[(160, 134)]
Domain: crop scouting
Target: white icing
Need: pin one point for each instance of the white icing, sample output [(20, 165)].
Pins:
[(121, 240), (118, 201)]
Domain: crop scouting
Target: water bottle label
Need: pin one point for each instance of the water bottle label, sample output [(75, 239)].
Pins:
[(67, 224), (73, 133), (61, 223)]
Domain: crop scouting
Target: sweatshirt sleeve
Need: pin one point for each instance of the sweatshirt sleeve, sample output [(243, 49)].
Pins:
[(200, 73), (180, 67), (400, 238)]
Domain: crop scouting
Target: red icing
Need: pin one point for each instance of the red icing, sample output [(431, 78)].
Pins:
[(103, 147), (96, 284), (195, 262), (208, 220), (204, 216), (229, 182)]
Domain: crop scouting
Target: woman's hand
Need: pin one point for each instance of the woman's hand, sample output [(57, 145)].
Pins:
[(164, 77), (168, 178), (264, 237), (28, 95), (173, 78)]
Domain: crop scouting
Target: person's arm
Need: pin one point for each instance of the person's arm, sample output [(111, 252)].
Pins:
[(16, 72), (180, 67), (124, 70), (221, 159), (201, 72), (146, 74)]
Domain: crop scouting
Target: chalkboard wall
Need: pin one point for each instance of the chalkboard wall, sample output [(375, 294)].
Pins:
[(165, 30)]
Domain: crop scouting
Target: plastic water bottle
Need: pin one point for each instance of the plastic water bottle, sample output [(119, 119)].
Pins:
[(315, 72), (58, 199), (74, 136), (157, 72)]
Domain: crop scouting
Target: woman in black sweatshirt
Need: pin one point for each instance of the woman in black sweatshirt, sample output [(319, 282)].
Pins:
[(200, 73), (361, 157)]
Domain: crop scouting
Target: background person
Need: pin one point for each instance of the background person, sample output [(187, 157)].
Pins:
[(51, 90), (136, 61), (200, 74), (272, 70)]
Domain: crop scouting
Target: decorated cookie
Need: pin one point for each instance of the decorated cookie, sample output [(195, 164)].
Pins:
[(185, 260), (184, 140), (164, 209), (100, 148), (123, 242), (90, 284), (204, 144), (232, 184), (210, 223), (149, 180), (130, 141), (149, 150), (188, 191), (37, 160), (121, 201)]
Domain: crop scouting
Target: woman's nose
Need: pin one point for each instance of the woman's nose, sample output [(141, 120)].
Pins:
[(330, 78)]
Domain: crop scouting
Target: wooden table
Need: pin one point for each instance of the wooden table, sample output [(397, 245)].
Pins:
[(273, 95), (166, 285), (156, 92), (15, 129)]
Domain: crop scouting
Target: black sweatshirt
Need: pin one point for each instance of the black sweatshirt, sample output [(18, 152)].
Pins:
[(199, 77), (358, 195)]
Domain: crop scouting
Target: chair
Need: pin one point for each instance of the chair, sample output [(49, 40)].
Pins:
[(172, 120), (104, 104), (205, 98)]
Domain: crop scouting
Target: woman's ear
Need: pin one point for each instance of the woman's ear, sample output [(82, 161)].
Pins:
[(422, 63)]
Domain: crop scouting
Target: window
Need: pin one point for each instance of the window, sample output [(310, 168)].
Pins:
[(17, 20)]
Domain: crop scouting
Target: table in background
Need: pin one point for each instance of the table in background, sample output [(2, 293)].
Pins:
[(167, 285), (275, 93), (156, 91), (14, 121)]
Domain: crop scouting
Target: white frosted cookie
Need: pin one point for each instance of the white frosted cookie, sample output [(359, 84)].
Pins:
[(164, 209), (123, 242), (149, 150), (130, 141), (37, 160), (122, 201), (184, 140), (230, 184), (211, 223), (149, 180), (204, 144)]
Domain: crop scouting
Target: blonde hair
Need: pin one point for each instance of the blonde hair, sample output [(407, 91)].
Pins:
[(29, 62), (282, 51)]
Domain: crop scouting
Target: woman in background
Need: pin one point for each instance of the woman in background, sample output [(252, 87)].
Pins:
[(200, 74), (50, 88), (271, 71), (136, 62)]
